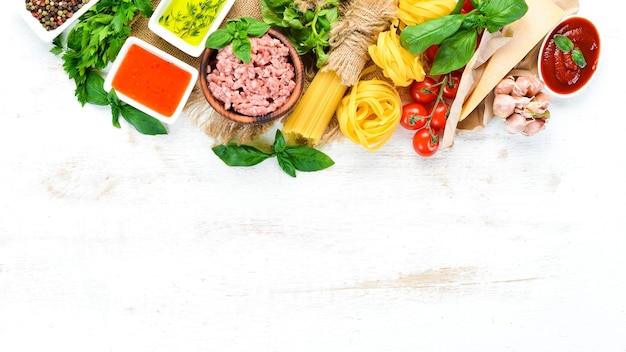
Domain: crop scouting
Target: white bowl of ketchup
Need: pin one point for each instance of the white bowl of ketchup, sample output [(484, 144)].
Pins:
[(561, 75)]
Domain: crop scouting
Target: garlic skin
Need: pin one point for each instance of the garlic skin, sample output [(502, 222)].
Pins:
[(505, 104), (505, 86), (516, 123), (534, 127), (531, 85)]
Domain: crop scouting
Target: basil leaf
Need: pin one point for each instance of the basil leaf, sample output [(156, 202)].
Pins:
[(416, 39), (256, 28), (499, 13), (233, 154), (563, 43), (242, 48), (219, 39), (143, 123), (579, 58), (115, 116), (286, 164), (95, 89), (306, 158), (473, 20), (279, 142), (455, 52)]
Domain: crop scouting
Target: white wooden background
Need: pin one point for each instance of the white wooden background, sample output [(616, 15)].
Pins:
[(115, 241)]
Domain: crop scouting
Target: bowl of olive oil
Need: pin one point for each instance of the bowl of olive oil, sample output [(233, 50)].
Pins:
[(187, 24)]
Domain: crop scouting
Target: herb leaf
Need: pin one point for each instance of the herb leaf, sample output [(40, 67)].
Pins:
[(219, 39), (308, 28), (416, 39), (237, 31), (145, 6), (306, 158), (290, 158), (95, 89), (233, 154), (455, 52), (242, 48), (563, 43), (499, 13), (456, 31), (286, 163), (256, 28), (279, 142), (579, 58), (143, 122)]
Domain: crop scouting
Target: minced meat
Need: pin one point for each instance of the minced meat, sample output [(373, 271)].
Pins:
[(257, 88)]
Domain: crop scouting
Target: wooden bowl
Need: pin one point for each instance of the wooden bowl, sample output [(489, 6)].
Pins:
[(208, 59)]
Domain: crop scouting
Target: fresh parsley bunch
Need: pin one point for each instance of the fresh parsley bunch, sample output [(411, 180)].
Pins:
[(457, 34), (307, 24), (93, 43)]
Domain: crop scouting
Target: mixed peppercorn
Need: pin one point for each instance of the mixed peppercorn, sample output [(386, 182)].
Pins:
[(53, 13)]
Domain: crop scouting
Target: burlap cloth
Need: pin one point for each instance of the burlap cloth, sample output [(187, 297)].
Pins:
[(223, 130)]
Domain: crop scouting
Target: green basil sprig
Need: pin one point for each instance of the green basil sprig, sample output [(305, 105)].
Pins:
[(290, 158), (457, 34), (566, 45), (95, 94), (238, 31)]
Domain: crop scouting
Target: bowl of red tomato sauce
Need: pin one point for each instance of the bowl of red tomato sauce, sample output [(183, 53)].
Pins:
[(151, 80), (569, 56)]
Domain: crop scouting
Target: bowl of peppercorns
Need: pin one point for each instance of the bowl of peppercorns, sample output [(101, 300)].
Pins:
[(49, 18)]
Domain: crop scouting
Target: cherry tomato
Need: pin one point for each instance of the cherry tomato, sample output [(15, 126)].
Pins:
[(414, 116), (424, 92), (431, 52), (467, 6), (439, 117), (426, 142), (452, 84)]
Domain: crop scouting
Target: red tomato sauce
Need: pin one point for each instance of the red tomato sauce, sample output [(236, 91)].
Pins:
[(151, 80), (560, 73)]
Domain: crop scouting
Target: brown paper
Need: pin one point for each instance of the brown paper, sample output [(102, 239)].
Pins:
[(520, 54)]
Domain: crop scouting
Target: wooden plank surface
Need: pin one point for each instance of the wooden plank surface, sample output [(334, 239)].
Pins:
[(114, 241)]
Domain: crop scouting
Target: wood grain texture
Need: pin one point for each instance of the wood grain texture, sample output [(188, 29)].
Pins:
[(114, 241)]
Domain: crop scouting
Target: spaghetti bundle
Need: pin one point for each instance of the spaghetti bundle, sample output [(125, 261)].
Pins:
[(370, 113), (320, 99), (412, 12), (349, 39), (397, 63)]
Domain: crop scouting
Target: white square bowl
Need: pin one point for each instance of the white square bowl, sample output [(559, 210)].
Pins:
[(45, 34), (178, 42), (159, 54)]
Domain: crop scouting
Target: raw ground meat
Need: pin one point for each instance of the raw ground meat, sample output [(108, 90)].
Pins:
[(257, 88)]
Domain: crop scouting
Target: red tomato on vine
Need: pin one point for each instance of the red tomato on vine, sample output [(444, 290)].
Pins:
[(425, 91), (439, 116), (426, 142), (414, 116)]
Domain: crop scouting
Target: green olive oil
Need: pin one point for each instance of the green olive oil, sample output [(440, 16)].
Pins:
[(191, 19)]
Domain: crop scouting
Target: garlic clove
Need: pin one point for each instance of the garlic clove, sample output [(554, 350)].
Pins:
[(515, 123)]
